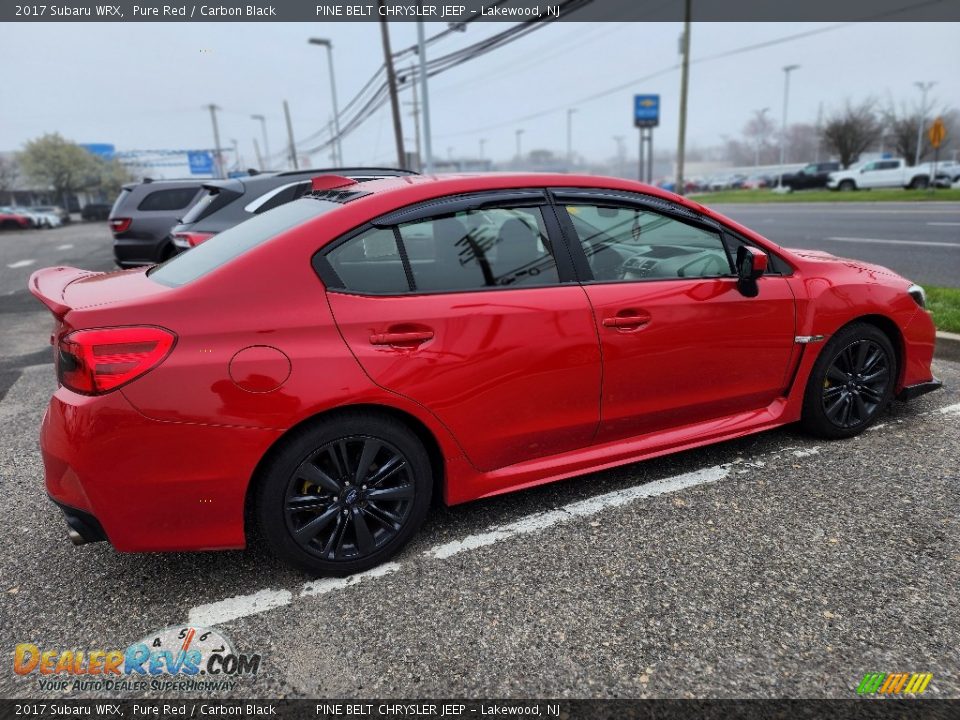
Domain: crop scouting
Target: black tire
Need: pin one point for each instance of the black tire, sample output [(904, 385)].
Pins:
[(851, 382), (847, 186), (921, 182), (313, 515)]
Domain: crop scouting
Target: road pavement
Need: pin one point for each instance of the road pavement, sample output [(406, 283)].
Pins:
[(921, 241)]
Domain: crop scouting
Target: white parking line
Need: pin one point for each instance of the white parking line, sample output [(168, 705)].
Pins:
[(944, 224), (879, 241), (20, 264), (261, 601), (65, 246)]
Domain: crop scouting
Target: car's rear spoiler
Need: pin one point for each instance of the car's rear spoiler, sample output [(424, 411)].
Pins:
[(48, 286)]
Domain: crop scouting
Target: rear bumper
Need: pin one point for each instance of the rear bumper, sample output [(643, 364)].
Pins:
[(135, 252), (143, 484), (911, 392)]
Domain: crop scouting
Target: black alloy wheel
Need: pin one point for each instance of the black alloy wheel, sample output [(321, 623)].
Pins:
[(344, 493), (851, 383), (856, 384), (350, 497)]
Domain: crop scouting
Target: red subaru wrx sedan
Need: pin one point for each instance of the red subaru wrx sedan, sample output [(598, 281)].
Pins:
[(324, 368)]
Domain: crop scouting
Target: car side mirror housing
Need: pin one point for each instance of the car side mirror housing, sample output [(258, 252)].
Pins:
[(751, 264)]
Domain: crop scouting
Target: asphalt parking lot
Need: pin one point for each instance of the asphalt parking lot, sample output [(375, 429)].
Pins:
[(772, 566)]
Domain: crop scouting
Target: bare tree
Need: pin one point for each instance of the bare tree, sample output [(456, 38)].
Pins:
[(852, 130), (758, 131)]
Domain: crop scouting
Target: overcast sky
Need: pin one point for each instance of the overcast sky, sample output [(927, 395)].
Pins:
[(144, 86)]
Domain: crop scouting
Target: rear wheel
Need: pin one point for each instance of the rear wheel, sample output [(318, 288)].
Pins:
[(847, 186), (921, 182), (345, 495), (851, 383)]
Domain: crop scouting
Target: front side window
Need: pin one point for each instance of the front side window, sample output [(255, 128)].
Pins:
[(627, 243), (468, 250)]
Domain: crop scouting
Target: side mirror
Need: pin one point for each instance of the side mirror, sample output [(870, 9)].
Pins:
[(751, 264)]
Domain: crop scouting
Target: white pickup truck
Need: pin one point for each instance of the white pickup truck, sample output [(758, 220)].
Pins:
[(880, 174)]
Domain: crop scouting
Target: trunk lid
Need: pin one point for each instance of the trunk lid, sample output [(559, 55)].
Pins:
[(62, 289)]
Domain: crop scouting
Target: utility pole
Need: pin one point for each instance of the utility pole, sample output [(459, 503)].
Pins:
[(256, 147), (787, 69), (266, 144), (392, 82), (216, 138), (519, 134), (819, 131), (292, 147), (761, 120), (924, 87), (570, 112), (427, 139), (483, 141), (416, 119), (684, 84), (236, 153)]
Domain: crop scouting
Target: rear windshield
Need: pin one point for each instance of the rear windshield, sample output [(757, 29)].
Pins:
[(119, 201), (199, 208), (166, 200), (221, 249)]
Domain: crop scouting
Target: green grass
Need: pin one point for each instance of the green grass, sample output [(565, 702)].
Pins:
[(768, 196), (944, 303)]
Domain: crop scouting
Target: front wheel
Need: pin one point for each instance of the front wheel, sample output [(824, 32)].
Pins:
[(920, 183), (345, 495), (847, 186), (851, 382)]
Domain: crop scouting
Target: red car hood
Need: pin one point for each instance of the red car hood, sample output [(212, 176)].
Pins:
[(823, 256)]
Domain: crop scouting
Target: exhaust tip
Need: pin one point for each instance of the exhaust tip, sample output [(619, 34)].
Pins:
[(75, 537)]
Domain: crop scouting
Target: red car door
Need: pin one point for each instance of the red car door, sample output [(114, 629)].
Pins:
[(680, 343), (468, 312)]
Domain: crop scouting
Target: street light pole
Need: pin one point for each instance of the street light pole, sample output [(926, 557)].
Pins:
[(570, 112), (924, 87), (333, 94), (519, 133), (684, 86), (266, 144), (483, 141), (216, 137), (783, 134)]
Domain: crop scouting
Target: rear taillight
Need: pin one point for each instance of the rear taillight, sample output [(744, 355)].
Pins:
[(119, 225), (187, 240), (92, 362)]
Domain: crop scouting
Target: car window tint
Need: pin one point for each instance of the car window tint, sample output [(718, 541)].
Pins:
[(624, 243), (176, 199), (475, 249), (233, 242), (370, 263)]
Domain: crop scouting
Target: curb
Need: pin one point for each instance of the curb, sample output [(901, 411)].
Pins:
[(948, 346)]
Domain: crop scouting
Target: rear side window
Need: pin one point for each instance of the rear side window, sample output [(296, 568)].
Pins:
[(224, 247), (463, 251), (175, 199)]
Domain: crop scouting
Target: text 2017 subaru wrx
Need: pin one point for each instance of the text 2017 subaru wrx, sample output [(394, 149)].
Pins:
[(324, 368)]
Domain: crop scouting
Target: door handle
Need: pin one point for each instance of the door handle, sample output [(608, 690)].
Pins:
[(413, 337), (626, 322)]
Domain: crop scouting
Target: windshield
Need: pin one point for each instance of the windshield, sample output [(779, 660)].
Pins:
[(230, 244)]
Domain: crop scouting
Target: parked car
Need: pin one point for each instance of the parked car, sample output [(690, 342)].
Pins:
[(37, 219), (56, 210), (880, 174), (732, 181), (10, 220), (142, 216), (325, 367), (758, 182), (95, 211), (809, 177), (224, 203), (948, 174)]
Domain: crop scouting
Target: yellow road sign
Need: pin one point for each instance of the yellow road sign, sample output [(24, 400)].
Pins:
[(937, 133)]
